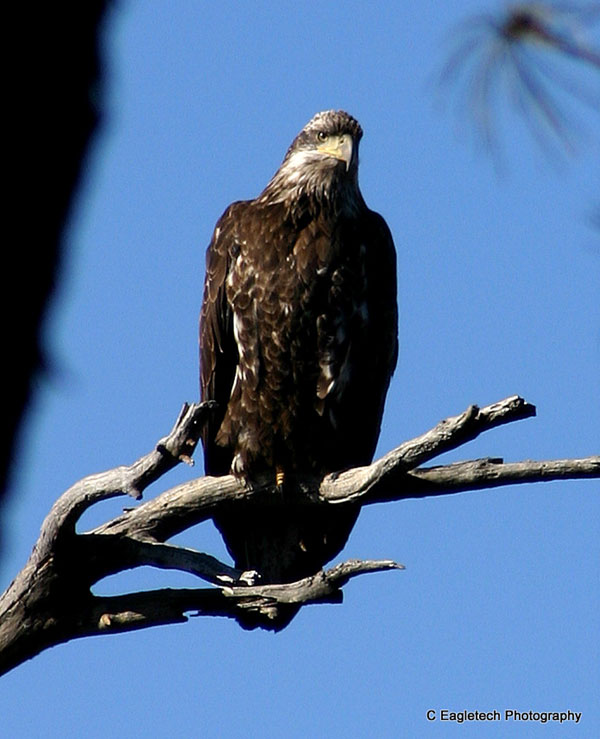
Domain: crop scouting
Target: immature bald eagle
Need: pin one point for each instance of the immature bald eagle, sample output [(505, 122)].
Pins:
[(298, 341)]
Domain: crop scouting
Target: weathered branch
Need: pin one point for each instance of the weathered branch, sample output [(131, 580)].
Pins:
[(193, 502), (158, 607), (480, 474), (51, 600), (367, 483)]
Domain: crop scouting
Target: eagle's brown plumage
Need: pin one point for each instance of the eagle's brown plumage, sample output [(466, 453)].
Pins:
[(298, 341)]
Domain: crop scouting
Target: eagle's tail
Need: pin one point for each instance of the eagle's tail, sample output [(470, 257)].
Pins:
[(284, 543)]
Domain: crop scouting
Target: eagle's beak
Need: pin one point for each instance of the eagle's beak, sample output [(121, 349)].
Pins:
[(339, 147)]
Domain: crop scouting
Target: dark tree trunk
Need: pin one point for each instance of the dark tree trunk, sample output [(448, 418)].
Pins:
[(56, 83)]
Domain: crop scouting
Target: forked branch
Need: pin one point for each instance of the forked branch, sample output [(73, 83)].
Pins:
[(51, 600)]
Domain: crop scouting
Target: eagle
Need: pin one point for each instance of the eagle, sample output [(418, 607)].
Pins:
[(298, 342)]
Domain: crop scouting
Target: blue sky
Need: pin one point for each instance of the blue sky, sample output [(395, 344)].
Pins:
[(499, 275)]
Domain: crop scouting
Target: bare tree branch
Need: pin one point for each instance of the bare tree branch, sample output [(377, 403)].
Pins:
[(480, 474), (152, 608), (364, 482), (193, 502), (51, 601)]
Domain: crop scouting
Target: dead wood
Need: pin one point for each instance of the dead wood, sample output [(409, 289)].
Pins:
[(51, 599)]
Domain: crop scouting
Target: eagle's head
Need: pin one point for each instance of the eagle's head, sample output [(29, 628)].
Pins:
[(322, 161)]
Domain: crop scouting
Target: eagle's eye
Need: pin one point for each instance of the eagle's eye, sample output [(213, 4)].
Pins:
[(322, 136)]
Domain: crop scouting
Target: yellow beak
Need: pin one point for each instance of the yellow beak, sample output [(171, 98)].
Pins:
[(339, 147)]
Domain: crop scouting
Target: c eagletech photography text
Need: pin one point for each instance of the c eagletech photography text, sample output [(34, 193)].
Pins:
[(508, 714)]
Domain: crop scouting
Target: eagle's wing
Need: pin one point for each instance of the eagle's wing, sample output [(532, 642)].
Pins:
[(383, 307), (359, 347), (218, 350)]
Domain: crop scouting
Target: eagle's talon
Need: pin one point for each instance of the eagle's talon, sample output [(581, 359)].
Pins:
[(249, 577), (279, 477)]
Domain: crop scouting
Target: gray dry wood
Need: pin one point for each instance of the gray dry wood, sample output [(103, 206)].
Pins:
[(51, 601)]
